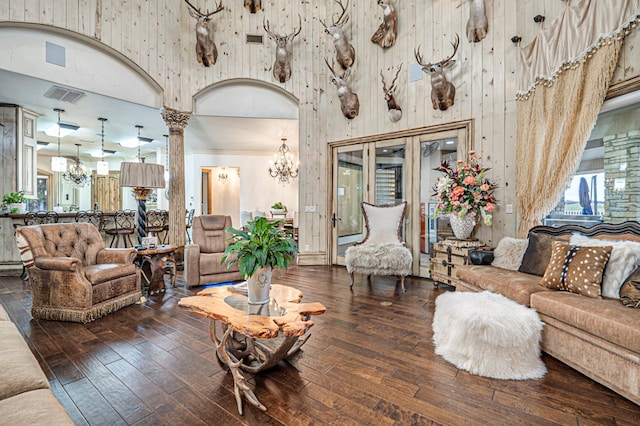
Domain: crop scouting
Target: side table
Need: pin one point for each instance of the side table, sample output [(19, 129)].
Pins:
[(154, 263), (253, 338), (448, 254)]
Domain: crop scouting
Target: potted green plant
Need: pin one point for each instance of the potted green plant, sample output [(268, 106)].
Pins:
[(278, 208), (15, 202), (259, 248)]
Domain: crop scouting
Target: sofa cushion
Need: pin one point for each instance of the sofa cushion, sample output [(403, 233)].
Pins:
[(509, 252), (37, 407), (100, 273), (210, 264), (625, 257), (20, 371), (606, 318), (537, 256), (630, 290), (512, 284), (576, 269)]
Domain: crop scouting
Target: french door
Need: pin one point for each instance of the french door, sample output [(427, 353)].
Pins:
[(390, 171), (374, 172)]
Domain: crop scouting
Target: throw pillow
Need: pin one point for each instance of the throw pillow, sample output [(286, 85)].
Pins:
[(536, 257), (509, 252), (384, 223), (625, 258), (630, 290), (576, 269)]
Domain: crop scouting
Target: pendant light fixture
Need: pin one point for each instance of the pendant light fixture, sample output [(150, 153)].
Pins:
[(139, 126), (77, 172), (58, 164), (282, 167), (102, 167)]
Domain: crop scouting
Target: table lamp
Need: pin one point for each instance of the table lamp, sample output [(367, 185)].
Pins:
[(142, 177)]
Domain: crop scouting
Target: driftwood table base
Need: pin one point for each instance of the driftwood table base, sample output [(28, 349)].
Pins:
[(253, 338)]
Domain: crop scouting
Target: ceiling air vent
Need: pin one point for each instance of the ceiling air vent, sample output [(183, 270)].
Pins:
[(64, 94), (254, 39)]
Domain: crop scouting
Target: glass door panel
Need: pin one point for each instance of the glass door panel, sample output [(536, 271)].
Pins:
[(389, 174), (347, 222)]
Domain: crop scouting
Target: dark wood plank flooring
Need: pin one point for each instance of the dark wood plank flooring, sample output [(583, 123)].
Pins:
[(369, 361)]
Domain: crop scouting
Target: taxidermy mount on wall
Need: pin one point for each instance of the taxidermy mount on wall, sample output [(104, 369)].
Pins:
[(349, 103), (206, 50), (253, 5), (477, 25), (282, 66), (443, 92), (385, 35), (345, 53), (394, 111)]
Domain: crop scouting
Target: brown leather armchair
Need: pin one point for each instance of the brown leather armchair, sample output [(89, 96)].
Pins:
[(202, 258), (73, 276)]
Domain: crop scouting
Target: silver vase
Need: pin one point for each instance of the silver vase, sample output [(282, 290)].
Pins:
[(258, 286)]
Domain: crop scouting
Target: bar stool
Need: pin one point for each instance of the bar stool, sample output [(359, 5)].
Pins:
[(124, 225), (93, 217), (157, 220)]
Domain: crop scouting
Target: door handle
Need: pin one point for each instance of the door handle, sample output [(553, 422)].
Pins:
[(334, 220)]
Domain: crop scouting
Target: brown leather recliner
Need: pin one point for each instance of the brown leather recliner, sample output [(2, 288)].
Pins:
[(73, 276), (202, 258)]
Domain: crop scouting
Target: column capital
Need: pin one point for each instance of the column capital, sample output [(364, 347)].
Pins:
[(176, 120)]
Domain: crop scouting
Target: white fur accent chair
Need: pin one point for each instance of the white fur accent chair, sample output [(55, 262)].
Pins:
[(382, 252)]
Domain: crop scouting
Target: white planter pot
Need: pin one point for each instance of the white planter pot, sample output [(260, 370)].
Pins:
[(462, 228), (17, 208), (258, 286)]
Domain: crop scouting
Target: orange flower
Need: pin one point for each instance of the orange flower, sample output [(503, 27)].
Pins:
[(469, 180), (490, 207), (484, 187)]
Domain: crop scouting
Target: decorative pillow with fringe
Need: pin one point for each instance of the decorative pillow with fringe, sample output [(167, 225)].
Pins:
[(625, 258), (509, 252), (630, 290)]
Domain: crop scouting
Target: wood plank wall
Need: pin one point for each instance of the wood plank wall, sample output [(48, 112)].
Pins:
[(158, 35)]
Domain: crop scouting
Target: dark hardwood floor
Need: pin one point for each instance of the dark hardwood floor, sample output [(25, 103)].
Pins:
[(369, 361)]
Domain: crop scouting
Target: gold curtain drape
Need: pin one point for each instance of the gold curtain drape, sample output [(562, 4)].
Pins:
[(557, 111)]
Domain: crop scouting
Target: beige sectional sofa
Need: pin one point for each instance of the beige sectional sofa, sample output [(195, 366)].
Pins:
[(599, 337), (25, 395)]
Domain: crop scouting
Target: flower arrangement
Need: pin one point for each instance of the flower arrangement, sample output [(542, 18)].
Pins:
[(464, 190)]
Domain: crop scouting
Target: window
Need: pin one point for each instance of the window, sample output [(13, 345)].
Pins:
[(606, 186)]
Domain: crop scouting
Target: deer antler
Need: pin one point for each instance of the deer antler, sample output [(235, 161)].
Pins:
[(455, 44), (330, 67), (219, 7), (295, 33), (267, 28), (393, 83), (344, 10), (416, 52)]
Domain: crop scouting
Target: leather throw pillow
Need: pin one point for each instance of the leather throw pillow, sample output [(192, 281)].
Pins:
[(536, 257)]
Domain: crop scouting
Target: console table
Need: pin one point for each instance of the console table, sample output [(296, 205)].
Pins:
[(253, 338)]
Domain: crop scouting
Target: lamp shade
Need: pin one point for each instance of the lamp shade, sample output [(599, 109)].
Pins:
[(142, 175)]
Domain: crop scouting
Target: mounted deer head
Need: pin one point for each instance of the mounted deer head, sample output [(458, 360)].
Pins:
[(345, 53), (394, 111), (349, 103), (253, 5), (281, 66), (443, 92), (206, 50), (386, 34), (477, 25)]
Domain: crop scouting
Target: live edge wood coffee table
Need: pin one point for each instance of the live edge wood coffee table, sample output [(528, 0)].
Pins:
[(254, 337)]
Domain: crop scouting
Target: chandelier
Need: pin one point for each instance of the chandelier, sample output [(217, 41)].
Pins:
[(223, 175), (282, 167), (77, 172)]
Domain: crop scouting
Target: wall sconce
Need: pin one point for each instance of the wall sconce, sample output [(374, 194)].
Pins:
[(223, 175)]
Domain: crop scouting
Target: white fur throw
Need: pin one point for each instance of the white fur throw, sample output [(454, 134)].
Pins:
[(509, 252), (488, 335), (379, 259), (624, 259)]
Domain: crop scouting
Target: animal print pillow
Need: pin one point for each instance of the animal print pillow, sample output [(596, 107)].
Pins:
[(630, 290), (576, 269)]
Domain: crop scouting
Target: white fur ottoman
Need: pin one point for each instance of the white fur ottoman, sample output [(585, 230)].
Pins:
[(488, 335)]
